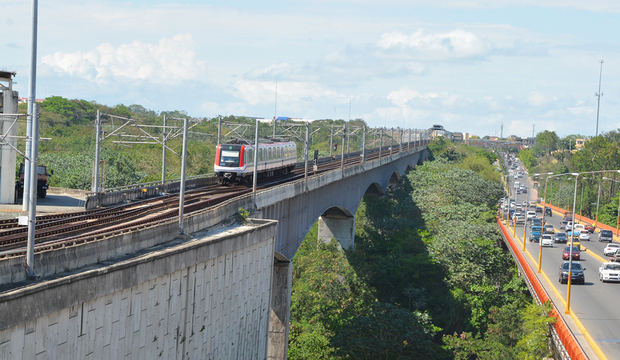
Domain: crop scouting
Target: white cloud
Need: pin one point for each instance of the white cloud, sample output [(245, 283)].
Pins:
[(454, 44), (263, 92), (171, 60)]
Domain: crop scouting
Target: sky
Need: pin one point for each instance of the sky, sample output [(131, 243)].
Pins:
[(469, 65)]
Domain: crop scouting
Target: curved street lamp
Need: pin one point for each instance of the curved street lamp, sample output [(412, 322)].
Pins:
[(570, 255), (618, 218)]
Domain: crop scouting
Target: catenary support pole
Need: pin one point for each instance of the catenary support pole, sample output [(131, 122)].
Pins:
[(306, 145), (219, 130), (344, 135), (183, 166), (96, 186), (163, 153), (255, 171), (348, 136), (32, 209), (380, 143), (331, 140), (363, 144), (32, 90)]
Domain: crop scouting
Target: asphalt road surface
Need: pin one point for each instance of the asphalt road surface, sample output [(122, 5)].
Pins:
[(596, 303)]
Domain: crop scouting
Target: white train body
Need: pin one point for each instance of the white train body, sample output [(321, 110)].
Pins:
[(235, 162)]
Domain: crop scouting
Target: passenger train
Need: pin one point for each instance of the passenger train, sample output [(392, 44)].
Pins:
[(235, 162)]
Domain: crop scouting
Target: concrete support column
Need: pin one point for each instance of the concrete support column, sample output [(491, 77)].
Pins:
[(7, 154), (339, 227), (280, 309)]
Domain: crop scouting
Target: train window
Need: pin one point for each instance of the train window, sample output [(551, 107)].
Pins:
[(229, 158)]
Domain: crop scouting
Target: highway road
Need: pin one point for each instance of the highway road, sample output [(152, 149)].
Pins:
[(595, 304)]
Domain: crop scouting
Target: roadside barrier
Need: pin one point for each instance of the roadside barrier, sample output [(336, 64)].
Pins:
[(567, 338), (599, 225)]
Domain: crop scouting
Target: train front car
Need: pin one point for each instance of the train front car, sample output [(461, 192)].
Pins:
[(229, 163)]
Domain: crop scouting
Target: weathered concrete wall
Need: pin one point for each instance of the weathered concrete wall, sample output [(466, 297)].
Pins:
[(207, 298), (8, 156)]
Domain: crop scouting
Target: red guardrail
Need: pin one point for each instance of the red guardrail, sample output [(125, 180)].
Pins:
[(583, 218), (571, 345)]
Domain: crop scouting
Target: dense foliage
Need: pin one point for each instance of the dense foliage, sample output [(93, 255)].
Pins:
[(598, 153), (428, 277)]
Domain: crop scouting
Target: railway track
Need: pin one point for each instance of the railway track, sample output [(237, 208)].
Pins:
[(68, 229)]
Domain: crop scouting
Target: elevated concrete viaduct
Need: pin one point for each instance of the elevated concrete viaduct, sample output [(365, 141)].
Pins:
[(137, 272)]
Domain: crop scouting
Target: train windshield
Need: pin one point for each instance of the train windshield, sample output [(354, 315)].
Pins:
[(229, 158)]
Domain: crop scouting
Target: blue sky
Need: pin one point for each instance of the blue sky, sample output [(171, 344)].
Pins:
[(467, 64)]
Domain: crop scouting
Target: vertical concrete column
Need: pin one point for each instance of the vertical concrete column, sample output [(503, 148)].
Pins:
[(339, 227), (7, 154), (280, 309)]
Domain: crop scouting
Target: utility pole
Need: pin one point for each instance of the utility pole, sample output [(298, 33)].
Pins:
[(163, 152), (533, 130), (501, 131), (275, 110), (96, 184), (31, 100), (331, 140), (183, 166), (32, 209), (598, 95)]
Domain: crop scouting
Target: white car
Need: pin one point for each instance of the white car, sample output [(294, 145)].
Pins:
[(530, 215), (580, 227), (610, 249), (583, 236), (609, 271), (547, 240)]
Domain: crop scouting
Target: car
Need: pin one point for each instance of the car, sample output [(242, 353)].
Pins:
[(537, 221), (580, 228), (610, 249), (519, 219), (548, 212), (530, 215), (548, 229), (589, 228), (606, 235), (609, 271), (560, 237), (524, 190), (577, 275), (569, 225), (563, 224), (615, 257), (532, 204), (566, 253), (524, 203), (547, 240), (535, 232), (584, 236), (538, 209)]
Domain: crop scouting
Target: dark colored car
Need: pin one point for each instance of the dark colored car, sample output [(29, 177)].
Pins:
[(535, 233), (537, 221), (566, 253), (539, 209), (560, 238), (577, 273), (548, 212), (606, 235)]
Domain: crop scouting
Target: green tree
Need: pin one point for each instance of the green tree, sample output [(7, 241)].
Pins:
[(546, 142)]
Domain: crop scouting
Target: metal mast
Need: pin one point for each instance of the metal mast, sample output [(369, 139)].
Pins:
[(598, 95)]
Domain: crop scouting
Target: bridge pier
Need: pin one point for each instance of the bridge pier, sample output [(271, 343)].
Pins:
[(280, 309), (339, 226)]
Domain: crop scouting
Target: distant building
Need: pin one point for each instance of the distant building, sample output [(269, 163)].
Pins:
[(438, 130), (579, 143)]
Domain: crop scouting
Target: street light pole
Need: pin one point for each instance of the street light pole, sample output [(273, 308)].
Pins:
[(543, 221), (570, 251), (598, 199), (618, 216)]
